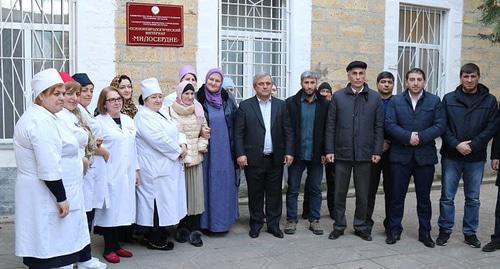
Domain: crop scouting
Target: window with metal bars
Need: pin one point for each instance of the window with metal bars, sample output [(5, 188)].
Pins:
[(420, 45), (253, 39), (34, 35)]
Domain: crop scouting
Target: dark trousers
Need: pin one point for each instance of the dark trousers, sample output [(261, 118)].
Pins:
[(382, 167), (330, 191), (264, 183), (423, 177), (496, 236), (190, 222), (90, 218), (361, 172)]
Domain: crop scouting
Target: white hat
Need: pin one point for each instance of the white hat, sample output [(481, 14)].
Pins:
[(149, 86), (44, 80)]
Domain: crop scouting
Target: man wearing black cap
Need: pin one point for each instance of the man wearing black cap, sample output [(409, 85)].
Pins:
[(354, 140)]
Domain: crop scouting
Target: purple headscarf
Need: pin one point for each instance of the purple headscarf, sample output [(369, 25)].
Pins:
[(214, 98)]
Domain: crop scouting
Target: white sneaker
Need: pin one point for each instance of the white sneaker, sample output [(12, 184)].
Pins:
[(93, 263), (66, 267)]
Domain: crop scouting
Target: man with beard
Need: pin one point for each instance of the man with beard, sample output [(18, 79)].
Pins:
[(307, 110), (471, 113), (354, 138)]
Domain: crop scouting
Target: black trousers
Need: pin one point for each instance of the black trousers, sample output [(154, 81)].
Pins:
[(264, 187), (496, 235), (330, 190), (190, 222), (361, 171), (382, 167)]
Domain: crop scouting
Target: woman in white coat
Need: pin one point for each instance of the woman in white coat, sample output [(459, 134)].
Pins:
[(74, 124), (161, 197), (94, 182), (122, 174), (51, 230)]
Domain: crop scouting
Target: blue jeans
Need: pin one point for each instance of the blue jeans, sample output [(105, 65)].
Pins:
[(315, 175), (472, 174)]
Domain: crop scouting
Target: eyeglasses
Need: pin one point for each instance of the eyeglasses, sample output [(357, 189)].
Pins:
[(114, 100)]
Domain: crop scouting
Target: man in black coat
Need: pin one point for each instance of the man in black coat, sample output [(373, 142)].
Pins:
[(307, 110), (471, 114), (354, 138), (263, 141), (495, 164)]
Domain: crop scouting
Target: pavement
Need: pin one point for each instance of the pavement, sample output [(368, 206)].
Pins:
[(305, 250)]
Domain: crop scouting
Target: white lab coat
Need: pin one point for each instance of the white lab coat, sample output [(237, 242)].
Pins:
[(94, 182), (162, 172), (46, 150), (119, 206)]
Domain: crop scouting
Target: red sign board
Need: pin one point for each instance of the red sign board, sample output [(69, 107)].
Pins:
[(155, 25)]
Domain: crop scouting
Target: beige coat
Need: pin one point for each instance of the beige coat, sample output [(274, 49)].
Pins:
[(189, 125)]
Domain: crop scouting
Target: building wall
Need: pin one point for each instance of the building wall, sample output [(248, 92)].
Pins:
[(481, 52), (343, 31), (161, 62)]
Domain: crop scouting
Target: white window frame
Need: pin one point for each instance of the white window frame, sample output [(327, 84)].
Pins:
[(299, 40), (27, 57), (452, 22)]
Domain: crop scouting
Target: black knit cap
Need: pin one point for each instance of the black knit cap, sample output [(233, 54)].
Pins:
[(356, 64), (325, 85), (82, 78)]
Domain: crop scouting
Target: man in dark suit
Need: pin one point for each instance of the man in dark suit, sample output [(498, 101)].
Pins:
[(414, 118), (263, 142)]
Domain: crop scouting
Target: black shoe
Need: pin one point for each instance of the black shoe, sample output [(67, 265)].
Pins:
[(254, 233), (182, 235), (442, 239), (276, 232), (335, 234), (427, 241), (168, 245), (472, 241), (365, 235), (195, 239), (391, 238), (491, 246)]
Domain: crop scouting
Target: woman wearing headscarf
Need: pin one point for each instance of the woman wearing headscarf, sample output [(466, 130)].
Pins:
[(186, 73), (94, 182), (51, 228), (161, 197), (124, 85), (190, 118), (122, 174), (220, 185), (74, 124)]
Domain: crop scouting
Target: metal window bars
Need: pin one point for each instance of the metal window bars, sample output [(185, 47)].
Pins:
[(34, 35), (253, 39)]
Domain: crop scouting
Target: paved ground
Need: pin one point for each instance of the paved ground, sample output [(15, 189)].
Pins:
[(305, 250)]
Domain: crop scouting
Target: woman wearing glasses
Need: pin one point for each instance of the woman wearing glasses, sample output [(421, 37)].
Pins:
[(118, 132)]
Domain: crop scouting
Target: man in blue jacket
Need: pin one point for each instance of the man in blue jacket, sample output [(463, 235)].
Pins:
[(413, 120), (471, 113)]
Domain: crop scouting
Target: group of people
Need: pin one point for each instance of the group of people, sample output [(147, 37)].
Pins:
[(130, 172)]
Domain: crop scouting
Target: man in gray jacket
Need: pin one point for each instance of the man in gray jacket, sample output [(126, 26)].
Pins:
[(354, 138)]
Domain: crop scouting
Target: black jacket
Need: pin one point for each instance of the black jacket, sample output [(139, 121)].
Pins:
[(250, 132), (495, 152), (476, 121), (355, 125), (229, 106), (293, 104)]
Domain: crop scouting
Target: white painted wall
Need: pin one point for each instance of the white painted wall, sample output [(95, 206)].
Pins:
[(299, 39), (452, 46), (94, 51)]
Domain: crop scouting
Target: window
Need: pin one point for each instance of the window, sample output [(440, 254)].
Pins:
[(420, 45), (35, 35), (253, 39)]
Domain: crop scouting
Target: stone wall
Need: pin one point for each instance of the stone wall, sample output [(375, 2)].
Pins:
[(343, 31), (481, 52), (161, 62)]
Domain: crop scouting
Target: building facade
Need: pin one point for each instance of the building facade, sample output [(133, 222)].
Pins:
[(282, 37)]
